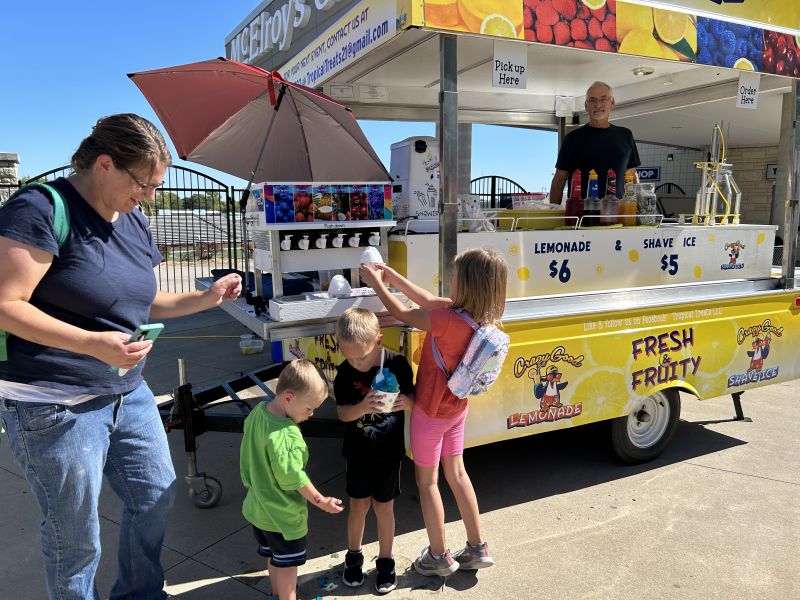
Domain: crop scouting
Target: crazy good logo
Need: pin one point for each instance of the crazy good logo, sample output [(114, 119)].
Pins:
[(547, 390), (558, 354), (733, 249), (761, 344), (668, 368), (765, 328)]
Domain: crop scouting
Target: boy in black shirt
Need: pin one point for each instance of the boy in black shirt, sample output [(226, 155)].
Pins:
[(374, 443)]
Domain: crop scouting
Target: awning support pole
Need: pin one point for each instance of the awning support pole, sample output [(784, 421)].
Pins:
[(792, 218), (562, 130), (448, 159)]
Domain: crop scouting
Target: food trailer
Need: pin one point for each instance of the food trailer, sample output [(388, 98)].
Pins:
[(606, 323)]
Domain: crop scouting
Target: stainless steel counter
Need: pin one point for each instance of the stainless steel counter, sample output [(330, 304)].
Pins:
[(525, 309)]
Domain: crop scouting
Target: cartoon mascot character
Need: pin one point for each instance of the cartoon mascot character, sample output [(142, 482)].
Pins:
[(548, 390), (734, 248), (759, 353)]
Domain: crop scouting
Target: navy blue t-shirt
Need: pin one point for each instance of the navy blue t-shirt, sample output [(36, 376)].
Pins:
[(101, 280), (600, 149)]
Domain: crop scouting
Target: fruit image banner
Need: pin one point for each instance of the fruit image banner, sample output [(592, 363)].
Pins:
[(769, 13), (629, 27), (657, 33), (588, 24), (501, 18)]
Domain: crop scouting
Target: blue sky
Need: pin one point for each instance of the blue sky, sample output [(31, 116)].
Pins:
[(65, 65)]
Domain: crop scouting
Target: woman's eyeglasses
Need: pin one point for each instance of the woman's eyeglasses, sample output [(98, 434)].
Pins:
[(143, 187)]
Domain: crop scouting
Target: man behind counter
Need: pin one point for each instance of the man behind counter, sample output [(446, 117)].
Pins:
[(598, 145)]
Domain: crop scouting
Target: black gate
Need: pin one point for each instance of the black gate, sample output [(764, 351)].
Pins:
[(495, 191), (194, 223)]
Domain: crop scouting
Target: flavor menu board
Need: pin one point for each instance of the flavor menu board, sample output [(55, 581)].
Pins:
[(310, 202), (631, 28)]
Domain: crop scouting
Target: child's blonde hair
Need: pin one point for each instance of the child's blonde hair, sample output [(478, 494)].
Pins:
[(357, 325), (481, 276), (302, 377)]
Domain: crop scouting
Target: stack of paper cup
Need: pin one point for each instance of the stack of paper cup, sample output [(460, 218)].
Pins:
[(339, 287)]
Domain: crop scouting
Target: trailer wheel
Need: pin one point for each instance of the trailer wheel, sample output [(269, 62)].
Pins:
[(646, 431), (209, 496)]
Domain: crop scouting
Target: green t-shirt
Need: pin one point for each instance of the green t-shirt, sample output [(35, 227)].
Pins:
[(272, 461)]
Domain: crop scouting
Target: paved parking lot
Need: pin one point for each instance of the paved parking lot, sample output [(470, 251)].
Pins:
[(716, 516)]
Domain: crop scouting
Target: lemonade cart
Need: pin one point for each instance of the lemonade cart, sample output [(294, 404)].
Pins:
[(606, 324)]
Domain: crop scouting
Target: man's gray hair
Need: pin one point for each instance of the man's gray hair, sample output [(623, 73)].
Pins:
[(603, 84)]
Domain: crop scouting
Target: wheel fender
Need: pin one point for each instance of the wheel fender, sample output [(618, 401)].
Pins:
[(678, 385)]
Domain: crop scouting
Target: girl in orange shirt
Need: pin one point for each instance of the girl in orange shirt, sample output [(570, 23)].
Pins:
[(477, 286)]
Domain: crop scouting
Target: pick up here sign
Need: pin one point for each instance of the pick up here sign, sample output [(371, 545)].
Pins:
[(510, 65)]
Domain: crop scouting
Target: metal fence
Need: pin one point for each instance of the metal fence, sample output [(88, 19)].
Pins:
[(495, 191), (194, 221)]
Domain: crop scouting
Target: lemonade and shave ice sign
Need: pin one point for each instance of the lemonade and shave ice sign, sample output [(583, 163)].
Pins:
[(712, 32), (559, 262)]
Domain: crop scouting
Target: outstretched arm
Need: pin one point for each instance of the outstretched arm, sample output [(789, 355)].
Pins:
[(413, 292), (327, 503), (416, 317), (167, 305)]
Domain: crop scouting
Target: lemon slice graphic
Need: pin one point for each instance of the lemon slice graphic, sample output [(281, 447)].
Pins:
[(744, 65), (499, 25), (671, 26)]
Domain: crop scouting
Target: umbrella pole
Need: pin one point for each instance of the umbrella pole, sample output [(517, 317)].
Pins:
[(248, 293)]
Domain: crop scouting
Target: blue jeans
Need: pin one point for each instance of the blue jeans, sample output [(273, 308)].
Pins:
[(64, 451)]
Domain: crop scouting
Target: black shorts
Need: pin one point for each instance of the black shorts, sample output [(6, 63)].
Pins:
[(379, 480), (280, 551)]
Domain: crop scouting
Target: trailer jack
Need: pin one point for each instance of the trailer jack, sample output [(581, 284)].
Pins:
[(737, 406)]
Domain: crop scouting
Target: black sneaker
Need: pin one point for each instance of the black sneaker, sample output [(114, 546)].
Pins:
[(353, 575), (385, 579)]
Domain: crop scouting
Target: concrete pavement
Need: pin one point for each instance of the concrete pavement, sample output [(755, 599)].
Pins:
[(716, 516)]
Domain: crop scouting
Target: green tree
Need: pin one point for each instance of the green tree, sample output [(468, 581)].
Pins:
[(210, 201)]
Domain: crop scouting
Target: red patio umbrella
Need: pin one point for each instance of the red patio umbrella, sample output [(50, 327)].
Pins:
[(248, 122)]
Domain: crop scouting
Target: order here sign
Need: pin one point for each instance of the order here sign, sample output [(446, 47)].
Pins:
[(510, 65)]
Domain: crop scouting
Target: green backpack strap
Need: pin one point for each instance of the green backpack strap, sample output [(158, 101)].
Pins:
[(60, 210)]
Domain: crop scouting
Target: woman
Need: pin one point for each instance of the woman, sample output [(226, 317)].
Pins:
[(72, 411)]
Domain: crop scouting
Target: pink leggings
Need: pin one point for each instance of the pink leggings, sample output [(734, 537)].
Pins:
[(433, 438)]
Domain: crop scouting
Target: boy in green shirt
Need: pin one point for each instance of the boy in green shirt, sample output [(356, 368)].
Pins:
[(272, 464)]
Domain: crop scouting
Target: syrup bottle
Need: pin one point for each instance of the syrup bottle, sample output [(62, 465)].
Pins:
[(627, 206), (591, 206), (609, 206), (574, 206)]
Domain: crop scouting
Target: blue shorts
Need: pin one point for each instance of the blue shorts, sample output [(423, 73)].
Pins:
[(280, 551)]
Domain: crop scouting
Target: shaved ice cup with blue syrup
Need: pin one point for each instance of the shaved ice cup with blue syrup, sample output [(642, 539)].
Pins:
[(385, 388)]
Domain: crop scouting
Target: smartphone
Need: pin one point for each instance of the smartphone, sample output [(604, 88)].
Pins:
[(148, 331)]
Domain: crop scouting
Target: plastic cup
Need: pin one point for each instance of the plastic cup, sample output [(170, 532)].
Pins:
[(386, 399)]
